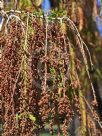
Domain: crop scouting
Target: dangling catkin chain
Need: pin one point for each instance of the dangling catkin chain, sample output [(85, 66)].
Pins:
[(46, 44), (25, 65), (64, 88)]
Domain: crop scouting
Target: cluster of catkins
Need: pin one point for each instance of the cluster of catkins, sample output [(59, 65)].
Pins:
[(35, 82)]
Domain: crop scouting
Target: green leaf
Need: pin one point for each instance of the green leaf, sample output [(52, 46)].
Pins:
[(52, 70), (17, 116), (31, 117)]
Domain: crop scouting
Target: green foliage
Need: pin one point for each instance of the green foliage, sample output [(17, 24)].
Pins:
[(52, 71), (23, 4), (26, 115), (31, 117)]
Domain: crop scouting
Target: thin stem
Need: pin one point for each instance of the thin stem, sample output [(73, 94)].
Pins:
[(100, 124), (81, 46)]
